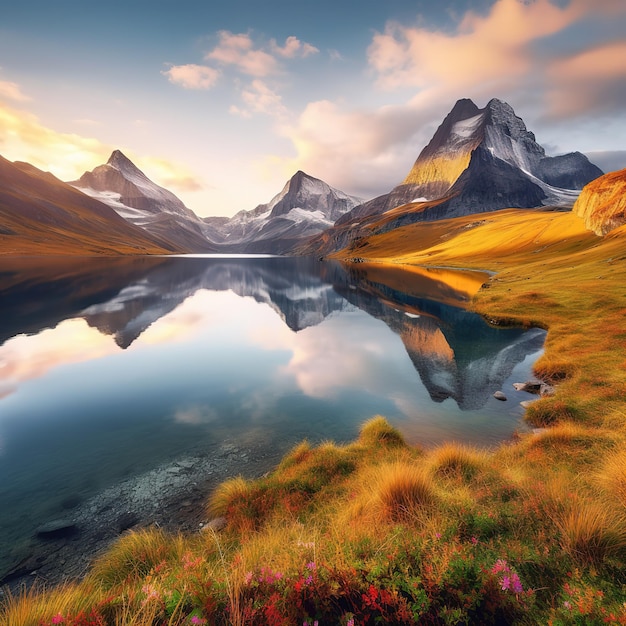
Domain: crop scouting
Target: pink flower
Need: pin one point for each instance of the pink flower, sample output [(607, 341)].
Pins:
[(350, 622), (500, 566), (58, 619), (437, 536), (248, 578), (310, 565), (506, 583), (516, 583), (198, 620), (474, 540), (567, 605), (308, 580)]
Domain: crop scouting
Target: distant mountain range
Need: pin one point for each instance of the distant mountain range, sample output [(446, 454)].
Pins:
[(478, 160)]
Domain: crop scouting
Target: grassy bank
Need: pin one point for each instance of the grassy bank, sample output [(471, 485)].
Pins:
[(381, 532)]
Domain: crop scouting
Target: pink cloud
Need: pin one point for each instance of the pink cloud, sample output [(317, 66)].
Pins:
[(600, 70), (294, 48), (12, 91), (258, 97), (192, 76), (238, 50)]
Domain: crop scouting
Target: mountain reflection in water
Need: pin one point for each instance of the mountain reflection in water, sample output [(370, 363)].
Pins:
[(456, 354)]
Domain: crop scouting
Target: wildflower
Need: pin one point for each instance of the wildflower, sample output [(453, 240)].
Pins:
[(516, 583), (474, 540), (310, 565), (500, 566), (506, 583), (350, 622), (308, 580), (58, 619), (437, 536), (198, 620), (567, 605), (248, 578)]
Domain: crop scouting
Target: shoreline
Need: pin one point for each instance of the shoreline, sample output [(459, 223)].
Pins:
[(171, 496)]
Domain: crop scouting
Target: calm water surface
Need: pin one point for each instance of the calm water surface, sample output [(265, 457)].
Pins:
[(110, 367)]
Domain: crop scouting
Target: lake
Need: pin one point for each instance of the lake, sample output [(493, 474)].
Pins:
[(112, 367)]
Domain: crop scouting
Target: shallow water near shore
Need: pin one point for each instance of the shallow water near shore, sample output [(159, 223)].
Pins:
[(207, 367)]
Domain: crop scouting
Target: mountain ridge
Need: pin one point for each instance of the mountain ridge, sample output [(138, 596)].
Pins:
[(40, 214)]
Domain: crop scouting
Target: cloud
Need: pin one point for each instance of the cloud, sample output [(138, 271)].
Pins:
[(238, 50), (68, 156), (362, 152), (602, 73), (170, 174), (12, 91), (192, 76), (513, 49), (258, 97), (293, 48)]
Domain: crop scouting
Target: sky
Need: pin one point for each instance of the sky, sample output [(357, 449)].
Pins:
[(222, 102)]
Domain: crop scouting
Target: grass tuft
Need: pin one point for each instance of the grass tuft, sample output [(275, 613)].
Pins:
[(453, 460), (378, 431), (591, 533), (402, 491), (225, 494), (612, 475), (136, 554)]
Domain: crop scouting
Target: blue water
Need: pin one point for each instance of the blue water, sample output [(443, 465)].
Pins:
[(110, 367)]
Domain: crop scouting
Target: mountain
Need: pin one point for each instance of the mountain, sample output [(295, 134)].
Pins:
[(127, 190), (39, 214), (481, 160), (602, 203), (478, 160), (305, 206)]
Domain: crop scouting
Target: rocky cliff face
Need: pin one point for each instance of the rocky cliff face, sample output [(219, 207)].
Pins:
[(305, 207), (482, 160), (602, 203), (127, 190)]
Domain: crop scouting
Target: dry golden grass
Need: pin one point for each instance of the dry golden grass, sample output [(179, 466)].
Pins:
[(612, 476), (378, 431), (457, 461), (226, 493), (401, 491), (591, 533), (36, 605), (136, 554)]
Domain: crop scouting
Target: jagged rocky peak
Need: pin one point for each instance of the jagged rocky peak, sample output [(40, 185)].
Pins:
[(310, 194), (120, 161)]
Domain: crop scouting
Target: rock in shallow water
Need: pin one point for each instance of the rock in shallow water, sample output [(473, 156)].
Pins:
[(57, 529), (498, 395)]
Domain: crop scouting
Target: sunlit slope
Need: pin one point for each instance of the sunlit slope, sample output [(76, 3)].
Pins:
[(492, 238), (39, 214)]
